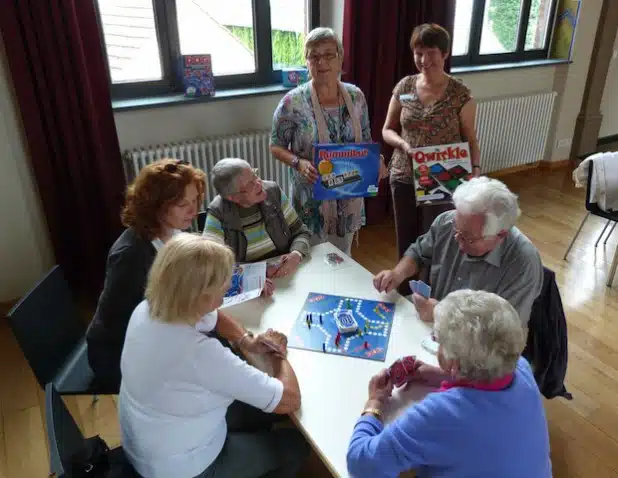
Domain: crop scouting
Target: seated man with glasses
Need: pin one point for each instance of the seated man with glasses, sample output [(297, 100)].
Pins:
[(476, 246), (255, 219)]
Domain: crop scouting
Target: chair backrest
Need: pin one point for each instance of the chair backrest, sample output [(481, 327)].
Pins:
[(46, 325), (589, 206), (63, 434)]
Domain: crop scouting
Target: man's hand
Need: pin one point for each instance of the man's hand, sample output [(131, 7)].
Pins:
[(424, 307), (386, 281), (287, 265)]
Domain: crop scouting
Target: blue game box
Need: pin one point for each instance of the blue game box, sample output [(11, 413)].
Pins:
[(346, 170), (197, 76)]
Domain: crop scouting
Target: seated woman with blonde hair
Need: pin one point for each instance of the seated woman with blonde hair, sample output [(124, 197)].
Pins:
[(486, 420), (178, 379)]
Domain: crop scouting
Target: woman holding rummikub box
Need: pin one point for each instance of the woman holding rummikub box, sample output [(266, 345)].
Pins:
[(428, 109)]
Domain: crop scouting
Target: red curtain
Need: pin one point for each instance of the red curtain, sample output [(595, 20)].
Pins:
[(60, 77), (376, 39)]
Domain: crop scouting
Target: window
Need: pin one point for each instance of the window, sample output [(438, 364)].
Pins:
[(250, 41), (500, 31)]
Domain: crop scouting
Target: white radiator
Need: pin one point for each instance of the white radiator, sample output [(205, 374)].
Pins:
[(513, 131), (252, 146)]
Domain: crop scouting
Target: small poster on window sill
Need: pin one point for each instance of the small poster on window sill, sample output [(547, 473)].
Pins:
[(197, 75), (346, 170), (438, 170)]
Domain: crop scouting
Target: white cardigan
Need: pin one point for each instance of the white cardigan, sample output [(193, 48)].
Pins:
[(604, 181)]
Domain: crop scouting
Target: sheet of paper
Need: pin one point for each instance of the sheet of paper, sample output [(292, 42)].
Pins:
[(247, 283)]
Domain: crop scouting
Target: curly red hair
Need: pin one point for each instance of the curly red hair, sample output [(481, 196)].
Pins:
[(158, 186)]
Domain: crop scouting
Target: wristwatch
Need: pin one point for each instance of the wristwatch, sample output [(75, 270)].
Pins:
[(295, 162), (372, 411)]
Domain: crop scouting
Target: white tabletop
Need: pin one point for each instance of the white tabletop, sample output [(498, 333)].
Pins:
[(333, 387)]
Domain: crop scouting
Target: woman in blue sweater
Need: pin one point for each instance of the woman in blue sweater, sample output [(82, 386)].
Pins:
[(486, 420)]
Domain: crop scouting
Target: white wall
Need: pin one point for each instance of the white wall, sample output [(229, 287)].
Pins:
[(609, 104), (25, 253)]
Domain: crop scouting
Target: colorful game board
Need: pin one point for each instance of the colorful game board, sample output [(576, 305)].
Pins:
[(369, 341)]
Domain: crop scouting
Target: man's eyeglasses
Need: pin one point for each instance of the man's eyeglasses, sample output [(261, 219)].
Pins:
[(250, 185), (173, 167), (316, 57), (468, 240)]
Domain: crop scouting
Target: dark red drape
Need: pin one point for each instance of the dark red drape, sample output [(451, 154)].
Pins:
[(376, 40), (60, 78)]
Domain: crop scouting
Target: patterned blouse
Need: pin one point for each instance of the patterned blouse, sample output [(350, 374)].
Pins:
[(294, 127), (437, 124)]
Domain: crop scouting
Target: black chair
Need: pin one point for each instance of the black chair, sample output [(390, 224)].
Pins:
[(52, 337), (594, 209), (65, 439), (201, 221)]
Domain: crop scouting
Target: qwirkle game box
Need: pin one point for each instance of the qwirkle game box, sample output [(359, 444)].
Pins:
[(438, 170), (346, 170)]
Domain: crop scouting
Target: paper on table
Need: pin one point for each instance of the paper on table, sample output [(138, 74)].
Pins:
[(247, 283)]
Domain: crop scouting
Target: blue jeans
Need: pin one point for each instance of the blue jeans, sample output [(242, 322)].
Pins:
[(253, 449)]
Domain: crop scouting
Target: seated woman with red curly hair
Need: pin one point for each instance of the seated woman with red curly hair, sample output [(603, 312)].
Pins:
[(163, 200)]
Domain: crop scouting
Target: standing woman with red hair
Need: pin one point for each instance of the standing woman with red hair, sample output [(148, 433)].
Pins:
[(428, 109), (163, 200)]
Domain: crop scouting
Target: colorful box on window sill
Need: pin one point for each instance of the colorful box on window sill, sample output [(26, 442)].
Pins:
[(294, 76), (197, 77)]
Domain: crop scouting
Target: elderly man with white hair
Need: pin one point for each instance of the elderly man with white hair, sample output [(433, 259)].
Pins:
[(255, 218), (486, 420), (476, 246)]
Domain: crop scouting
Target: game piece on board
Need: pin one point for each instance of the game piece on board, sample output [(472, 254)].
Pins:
[(323, 347), (366, 345), (320, 319), (337, 339), (348, 305), (311, 318)]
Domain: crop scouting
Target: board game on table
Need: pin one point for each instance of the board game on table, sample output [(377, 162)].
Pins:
[(343, 325)]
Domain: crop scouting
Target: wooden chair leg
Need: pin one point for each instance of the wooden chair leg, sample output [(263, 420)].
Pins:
[(575, 236)]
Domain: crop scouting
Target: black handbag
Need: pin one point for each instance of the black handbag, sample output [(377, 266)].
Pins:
[(91, 461)]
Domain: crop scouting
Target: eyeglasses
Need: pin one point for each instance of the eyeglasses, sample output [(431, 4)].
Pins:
[(316, 57), (250, 185), (173, 167), (468, 240)]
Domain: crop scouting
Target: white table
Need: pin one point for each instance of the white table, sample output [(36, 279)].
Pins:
[(334, 388)]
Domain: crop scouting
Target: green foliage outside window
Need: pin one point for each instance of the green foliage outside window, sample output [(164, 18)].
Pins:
[(288, 47), (504, 18)]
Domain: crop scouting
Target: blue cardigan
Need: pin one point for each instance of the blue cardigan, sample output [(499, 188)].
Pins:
[(459, 433)]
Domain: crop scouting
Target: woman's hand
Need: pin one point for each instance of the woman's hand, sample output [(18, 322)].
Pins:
[(269, 288), (270, 342), (288, 264), (424, 307), (383, 169), (307, 170), (380, 387), (406, 148)]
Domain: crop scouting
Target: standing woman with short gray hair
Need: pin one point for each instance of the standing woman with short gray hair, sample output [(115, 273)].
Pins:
[(324, 110), (486, 418)]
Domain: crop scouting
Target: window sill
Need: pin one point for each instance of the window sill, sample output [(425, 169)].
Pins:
[(179, 99), (508, 66)]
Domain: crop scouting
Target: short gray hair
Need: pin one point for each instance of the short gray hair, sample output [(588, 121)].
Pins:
[(482, 331), (322, 34), (224, 175), (491, 198)]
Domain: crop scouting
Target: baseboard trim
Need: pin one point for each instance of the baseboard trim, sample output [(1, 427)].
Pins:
[(513, 170), (563, 163), (613, 138)]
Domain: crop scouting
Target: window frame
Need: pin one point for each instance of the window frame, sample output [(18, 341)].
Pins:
[(474, 58), (169, 49)]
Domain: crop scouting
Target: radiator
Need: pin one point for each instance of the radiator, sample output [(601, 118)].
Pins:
[(513, 131), (252, 146)]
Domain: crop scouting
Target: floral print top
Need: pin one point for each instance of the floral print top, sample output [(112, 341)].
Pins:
[(294, 127), (426, 126)]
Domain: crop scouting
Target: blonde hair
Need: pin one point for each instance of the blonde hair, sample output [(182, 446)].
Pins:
[(188, 267), (320, 35)]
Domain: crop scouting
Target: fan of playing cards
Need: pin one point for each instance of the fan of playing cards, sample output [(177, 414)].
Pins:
[(420, 288), (403, 370)]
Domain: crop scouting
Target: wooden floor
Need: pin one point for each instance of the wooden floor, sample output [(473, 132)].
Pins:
[(584, 432)]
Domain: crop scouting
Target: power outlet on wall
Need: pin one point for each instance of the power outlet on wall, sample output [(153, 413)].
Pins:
[(564, 143)]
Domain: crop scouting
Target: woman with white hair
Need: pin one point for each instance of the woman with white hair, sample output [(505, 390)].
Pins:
[(178, 379), (255, 218), (486, 418), (324, 110)]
